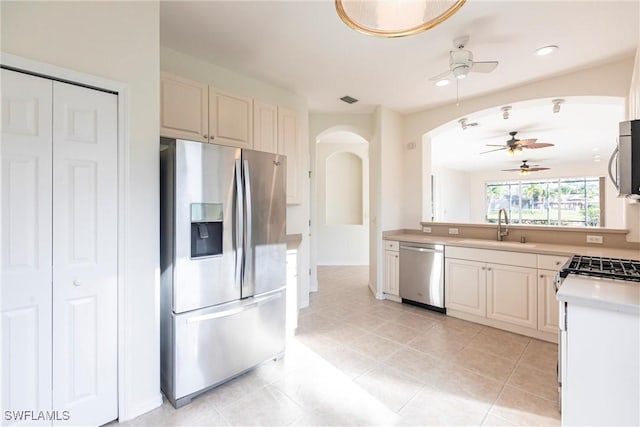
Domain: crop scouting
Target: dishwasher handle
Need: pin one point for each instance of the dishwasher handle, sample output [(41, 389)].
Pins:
[(417, 249)]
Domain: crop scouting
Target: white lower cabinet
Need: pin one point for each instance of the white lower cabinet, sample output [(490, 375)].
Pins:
[(547, 303), (465, 286), (506, 290), (512, 294), (391, 268), (59, 252)]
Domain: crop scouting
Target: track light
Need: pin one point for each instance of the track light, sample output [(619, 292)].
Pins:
[(505, 111), (556, 104), (464, 123)]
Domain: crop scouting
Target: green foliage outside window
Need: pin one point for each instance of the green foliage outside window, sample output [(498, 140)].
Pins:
[(573, 202)]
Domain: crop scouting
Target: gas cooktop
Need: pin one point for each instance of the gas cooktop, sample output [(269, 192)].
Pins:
[(612, 268)]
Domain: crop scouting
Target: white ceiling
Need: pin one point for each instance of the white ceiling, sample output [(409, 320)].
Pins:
[(304, 47), (584, 128)]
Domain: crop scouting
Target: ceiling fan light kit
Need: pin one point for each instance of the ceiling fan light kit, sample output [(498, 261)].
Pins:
[(556, 105), (395, 18)]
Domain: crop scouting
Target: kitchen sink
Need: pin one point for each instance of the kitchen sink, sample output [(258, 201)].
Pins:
[(497, 243)]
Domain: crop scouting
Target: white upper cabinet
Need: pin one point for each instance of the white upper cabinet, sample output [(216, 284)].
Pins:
[(230, 119), (184, 108), (290, 146), (265, 127)]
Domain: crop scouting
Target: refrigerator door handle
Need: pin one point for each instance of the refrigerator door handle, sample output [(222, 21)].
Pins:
[(247, 235), (239, 246), (230, 312)]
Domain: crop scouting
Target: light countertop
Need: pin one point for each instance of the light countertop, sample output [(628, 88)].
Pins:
[(533, 247), (617, 295)]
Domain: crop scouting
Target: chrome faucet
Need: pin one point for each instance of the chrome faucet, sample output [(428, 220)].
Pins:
[(505, 232)]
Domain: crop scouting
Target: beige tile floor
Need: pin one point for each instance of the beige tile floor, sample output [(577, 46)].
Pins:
[(359, 361)]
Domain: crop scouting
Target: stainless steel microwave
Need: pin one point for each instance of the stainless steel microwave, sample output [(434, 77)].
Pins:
[(624, 164)]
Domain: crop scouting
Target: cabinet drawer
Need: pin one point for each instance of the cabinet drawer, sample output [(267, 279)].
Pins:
[(551, 262), (391, 245), (521, 259)]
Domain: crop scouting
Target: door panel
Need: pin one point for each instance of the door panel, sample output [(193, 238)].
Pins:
[(217, 343), (26, 242), (465, 286), (547, 302), (205, 173), (265, 238), (512, 294), (85, 255)]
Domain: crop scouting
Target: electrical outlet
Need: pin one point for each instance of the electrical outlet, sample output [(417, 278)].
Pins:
[(453, 231), (426, 229), (594, 239)]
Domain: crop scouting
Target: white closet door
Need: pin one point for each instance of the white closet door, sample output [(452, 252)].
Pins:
[(26, 243), (85, 254)]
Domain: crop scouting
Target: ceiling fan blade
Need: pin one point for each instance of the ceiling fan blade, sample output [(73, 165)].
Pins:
[(537, 169), (484, 66), (440, 76), (491, 151), (496, 145), (538, 145), (525, 142), (510, 170)]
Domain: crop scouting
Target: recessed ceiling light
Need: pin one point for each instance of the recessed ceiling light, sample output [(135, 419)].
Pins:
[(546, 50), (443, 82)]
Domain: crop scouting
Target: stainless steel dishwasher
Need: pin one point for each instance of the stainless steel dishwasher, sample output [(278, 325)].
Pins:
[(422, 275)]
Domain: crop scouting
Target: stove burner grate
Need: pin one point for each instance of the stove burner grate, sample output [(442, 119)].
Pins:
[(613, 268)]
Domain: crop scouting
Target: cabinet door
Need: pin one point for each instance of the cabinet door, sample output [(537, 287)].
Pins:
[(391, 272), (85, 254), (25, 300), (184, 106), (465, 286), (265, 127), (548, 308), (230, 119), (289, 144), (512, 294)]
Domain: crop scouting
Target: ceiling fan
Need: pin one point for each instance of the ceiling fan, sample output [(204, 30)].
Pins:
[(525, 168), (461, 62), (515, 146)]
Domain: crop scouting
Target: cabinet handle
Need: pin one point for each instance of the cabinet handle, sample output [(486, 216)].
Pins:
[(484, 268), (205, 136), (396, 256), (489, 269), (212, 137), (541, 276), (557, 262)]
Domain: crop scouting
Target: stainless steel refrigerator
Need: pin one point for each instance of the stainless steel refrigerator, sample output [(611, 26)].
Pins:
[(223, 253)]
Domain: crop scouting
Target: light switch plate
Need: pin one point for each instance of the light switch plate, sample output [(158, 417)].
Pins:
[(595, 239), (426, 229), (453, 231)]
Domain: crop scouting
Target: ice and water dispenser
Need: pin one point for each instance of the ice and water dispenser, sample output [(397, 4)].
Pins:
[(206, 229)]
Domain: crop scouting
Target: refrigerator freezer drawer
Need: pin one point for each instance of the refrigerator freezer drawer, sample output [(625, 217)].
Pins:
[(215, 344)]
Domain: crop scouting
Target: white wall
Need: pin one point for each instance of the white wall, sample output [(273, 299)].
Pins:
[(606, 80), (228, 80), (613, 205), (339, 244), (453, 195), (118, 41)]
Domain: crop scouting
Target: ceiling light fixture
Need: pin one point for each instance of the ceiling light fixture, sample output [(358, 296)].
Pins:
[(464, 123), (524, 172), (556, 104), (505, 111), (443, 82), (546, 50), (395, 18)]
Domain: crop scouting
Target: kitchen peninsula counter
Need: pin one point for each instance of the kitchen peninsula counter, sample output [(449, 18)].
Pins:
[(530, 247)]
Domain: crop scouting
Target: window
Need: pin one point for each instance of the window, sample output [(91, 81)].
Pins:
[(573, 202)]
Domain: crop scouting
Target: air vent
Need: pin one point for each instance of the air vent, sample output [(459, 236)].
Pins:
[(348, 99)]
